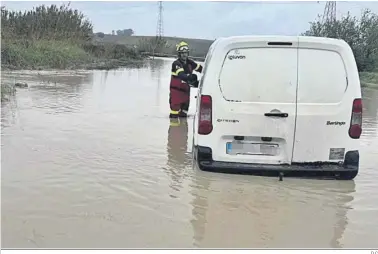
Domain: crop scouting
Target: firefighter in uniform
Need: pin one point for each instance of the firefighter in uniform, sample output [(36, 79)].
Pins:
[(182, 78)]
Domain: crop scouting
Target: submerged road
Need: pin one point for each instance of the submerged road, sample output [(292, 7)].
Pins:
[(89, 160)]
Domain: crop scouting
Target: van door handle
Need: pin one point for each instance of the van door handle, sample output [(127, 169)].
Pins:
[(277, 114)]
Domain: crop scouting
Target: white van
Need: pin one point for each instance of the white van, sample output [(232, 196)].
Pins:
[(281, 104)]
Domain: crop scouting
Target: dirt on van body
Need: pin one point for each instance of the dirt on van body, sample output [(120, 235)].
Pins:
[(89, 160)]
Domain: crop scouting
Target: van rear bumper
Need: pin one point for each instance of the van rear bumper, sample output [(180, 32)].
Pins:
[(280, 168), (350, 166)]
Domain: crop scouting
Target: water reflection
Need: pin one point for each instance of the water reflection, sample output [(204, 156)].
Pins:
[(47, 79), (48, 92), (156, 66), (342, 206), (9, 112), (200, 194), (59, 95), (254, 212), (104, 80), (178, 158)]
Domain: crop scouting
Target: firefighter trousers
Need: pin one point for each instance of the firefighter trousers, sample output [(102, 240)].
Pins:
[(179, 104)]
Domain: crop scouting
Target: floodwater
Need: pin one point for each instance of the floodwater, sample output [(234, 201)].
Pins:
[(89, 160)]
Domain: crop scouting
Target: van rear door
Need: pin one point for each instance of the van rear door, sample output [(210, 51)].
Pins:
[(254, 120), (324, 103)]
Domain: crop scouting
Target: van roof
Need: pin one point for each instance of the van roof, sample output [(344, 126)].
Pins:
[(304, 39), (222, 46)]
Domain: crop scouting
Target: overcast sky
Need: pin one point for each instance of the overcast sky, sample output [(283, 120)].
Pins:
[(207, 20)]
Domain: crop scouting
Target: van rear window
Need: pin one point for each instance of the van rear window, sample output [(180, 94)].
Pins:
[(322, 76), (260, 75)]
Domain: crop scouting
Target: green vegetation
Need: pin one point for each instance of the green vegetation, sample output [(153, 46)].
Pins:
[(43, 54), (59, 38), (153, 45), (361, 34), (369, 79)]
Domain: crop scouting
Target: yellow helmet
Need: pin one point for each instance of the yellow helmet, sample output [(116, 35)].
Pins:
[(182, 47)]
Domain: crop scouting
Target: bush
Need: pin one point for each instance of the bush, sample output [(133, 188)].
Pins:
[(153, 44), (40, 54), (45, 23), (361, 34), (112, 51)]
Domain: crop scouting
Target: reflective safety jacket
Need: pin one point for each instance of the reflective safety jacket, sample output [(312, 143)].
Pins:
[(179, 75)]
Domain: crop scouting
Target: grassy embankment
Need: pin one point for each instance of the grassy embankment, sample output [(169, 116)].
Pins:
[(369, 79), (56, 38), (199, 47), (65, 54)]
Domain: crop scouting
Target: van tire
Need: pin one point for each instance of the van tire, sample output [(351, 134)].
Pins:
[(347, 175), (195, 159), (194, 152), (196, 156)]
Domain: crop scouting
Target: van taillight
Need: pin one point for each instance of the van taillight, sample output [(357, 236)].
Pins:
[(205, 124), (355, 128)]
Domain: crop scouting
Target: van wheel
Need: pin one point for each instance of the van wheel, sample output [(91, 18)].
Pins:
[(348, 175), (195, 155), (195, 159)]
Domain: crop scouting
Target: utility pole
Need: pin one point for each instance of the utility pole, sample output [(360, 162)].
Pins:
[(329, 14), (159, 27)]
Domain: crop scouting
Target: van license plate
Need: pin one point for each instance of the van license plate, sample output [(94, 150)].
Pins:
[(251, 148)]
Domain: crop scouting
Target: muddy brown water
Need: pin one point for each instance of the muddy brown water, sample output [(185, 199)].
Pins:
[(89, 160)]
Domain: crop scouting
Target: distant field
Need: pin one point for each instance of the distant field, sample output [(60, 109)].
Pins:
[(199, 47)]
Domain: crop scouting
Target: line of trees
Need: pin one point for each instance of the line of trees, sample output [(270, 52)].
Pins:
[(124, 32), (360, 33), (45, 23)]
